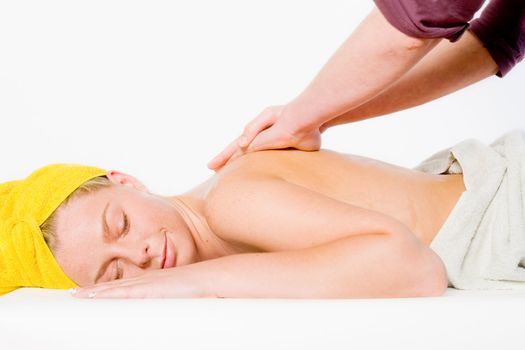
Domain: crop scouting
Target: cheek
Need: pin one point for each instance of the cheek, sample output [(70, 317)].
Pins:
[(132, 270), (75, 263), (157, 215)]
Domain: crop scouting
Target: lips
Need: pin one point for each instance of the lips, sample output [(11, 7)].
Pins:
[(168, 259), (163, 259)]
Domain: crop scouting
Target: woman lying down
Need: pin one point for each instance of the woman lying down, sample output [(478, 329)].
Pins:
[(275, 224)]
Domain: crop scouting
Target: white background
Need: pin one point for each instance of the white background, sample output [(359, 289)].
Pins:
[(157, 88)]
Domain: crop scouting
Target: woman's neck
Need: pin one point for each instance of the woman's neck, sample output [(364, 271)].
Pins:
[(208, 244)]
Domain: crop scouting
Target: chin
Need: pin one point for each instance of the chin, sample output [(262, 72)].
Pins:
[(188, 260)]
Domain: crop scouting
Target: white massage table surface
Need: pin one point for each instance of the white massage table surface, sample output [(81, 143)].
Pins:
[(52, 319)]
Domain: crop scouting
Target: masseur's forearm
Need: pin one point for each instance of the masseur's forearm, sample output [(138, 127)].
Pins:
[(362, 266), (368, 62), (449, 67)]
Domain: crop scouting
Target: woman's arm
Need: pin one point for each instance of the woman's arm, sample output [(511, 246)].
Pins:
[(316, 246), (447, 68), (363, 266)]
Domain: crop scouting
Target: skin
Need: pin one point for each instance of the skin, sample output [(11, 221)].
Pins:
[(82, 249), (384, 68), (374, 56), (449, 67), (358, 196), (384, 73)]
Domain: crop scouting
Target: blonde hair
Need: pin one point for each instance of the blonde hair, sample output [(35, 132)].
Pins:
[(48, 228)]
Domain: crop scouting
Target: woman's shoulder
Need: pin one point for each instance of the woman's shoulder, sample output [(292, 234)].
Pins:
[(279, 162), (317, 170), (312, 169)]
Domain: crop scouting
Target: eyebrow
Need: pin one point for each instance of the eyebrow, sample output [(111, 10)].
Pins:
[(105, 231)]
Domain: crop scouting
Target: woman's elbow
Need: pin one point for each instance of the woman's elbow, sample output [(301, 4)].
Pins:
[(433, 278), (426, 272)]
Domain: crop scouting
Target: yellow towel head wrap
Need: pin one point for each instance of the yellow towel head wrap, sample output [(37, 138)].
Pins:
[(25, 259)]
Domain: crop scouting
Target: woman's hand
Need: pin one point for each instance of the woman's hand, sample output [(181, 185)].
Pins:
[(177, 282), (271, 129)]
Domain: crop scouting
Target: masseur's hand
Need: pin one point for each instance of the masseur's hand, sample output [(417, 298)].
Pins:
[(274, 128), (374, 57), (177, 282)]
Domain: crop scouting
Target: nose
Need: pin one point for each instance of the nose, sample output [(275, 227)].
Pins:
[(137, 252)]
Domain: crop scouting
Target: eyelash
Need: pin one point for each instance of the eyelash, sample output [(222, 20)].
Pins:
[(119, 275), (126, 225)]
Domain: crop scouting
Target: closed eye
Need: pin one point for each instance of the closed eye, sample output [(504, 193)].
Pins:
[(125, 226), (119, 270)]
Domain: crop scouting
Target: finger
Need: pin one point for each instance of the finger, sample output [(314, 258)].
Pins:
[(239, 152), (87, 292), (131, 291), (117, 290), (84, 292), (223, 157), (262, 121), (268, 139), (141, 290)]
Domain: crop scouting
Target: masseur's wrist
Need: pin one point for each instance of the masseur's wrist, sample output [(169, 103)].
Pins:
[(303, 118)]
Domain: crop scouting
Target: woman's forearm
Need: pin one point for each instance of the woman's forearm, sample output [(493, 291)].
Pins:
[(370, 60), (449, 67), (363, 266)]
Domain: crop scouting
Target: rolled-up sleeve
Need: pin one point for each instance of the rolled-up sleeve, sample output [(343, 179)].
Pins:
[(501, 28), (430, 18)]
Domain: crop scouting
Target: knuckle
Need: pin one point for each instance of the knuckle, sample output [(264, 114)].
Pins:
[(247, 129), (275, 110)]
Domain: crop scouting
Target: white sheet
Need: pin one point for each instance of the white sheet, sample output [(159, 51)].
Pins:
[(50, 319)]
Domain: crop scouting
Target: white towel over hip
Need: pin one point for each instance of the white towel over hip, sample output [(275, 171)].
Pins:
[(482, 242)]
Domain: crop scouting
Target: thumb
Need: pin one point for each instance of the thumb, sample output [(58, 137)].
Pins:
[(266, 139)]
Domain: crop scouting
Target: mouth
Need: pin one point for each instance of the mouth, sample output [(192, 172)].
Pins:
[(168, 255), (163, 260)]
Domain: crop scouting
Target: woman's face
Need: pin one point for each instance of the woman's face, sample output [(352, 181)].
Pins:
[(119, 232)]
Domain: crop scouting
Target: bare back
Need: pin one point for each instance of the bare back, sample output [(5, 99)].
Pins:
[(421, 201)]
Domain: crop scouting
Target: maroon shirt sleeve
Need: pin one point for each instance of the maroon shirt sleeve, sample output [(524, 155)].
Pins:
[(501, 28), (430, 18)]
